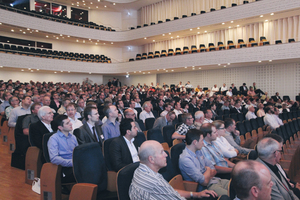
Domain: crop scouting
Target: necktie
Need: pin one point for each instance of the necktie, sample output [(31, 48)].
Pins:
[(94, 132)]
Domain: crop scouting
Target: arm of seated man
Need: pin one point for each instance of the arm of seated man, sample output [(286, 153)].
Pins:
[(178, 136), (223, 170), (202, 194), (55, 158), (230, 164)]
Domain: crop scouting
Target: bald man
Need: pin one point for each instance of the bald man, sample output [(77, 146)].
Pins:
[(147, 183), (251, 180)]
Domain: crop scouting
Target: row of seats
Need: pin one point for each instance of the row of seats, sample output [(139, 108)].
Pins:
[(56, 18), (44, 53), (202, 48), (184, 16)]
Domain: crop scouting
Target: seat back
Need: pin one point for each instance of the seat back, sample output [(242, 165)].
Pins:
[(85, 191), (138, 140), (254, 124), (176, 150), (167, 134), (177, 182), (248, 126), (141, 124), (105, 148), (46, 138), (51, 181), (33, 164), (260, 121), (252, 155), (22, 142), (124, 178), (89, 165), (168, 172), (155, 134), (149, 123)]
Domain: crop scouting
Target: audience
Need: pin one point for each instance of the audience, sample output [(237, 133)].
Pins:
[(32, 118), (182, 129)]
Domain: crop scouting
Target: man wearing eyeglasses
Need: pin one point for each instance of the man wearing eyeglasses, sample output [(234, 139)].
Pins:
[(269, 154), (187, 124)]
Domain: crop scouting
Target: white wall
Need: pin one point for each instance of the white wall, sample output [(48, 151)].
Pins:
[(129, 19), (108, 19)]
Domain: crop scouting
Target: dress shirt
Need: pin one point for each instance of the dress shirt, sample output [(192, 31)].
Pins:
[(183, 128), (235, 142), (192, 166), (163, 113), (260, 113), (134, 110), (4, 105), (250, 115), (225, 108), (270, 120), (177, 112), (147, 184), (61, 110), (228, 93), (144, 115), (215, 89), (15, 113), (61, 148), (75, 123), (223, 88), (132, 149), (48, 126), (278, 120), (137, 105), (227, 149), (110, 130), (207, 121), (214, 154)]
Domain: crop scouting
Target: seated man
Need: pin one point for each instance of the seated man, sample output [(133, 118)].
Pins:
[(213, 152), (177, 108), (187, 124), (122, 151), (233, 137), (261, 111), (199, 119), (90, 131), (19, 111), (251, 113), (251, 180), (6, 96), (62, 109), (269, 154), (195, 167), (111, 128), (61, 145), (146, 113), (208, 115), (147, 183), (164, 121), (269, 118), (129, 114), (32, 118), (71, 113), (167, 108), (13, 102)]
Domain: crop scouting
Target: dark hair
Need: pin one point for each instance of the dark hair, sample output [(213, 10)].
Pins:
[(166, 105), (191, 135), (125, 125), (267, 109), (58, 121), (206, 129), (88, 111), (71, 104), (34, 105), (228, 122)]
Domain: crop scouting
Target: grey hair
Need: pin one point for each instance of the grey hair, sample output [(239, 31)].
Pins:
[(266, 147), (43, 111), (199, 114), (250, 107), (146, 104)]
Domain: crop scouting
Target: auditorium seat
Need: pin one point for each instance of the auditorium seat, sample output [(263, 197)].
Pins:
[(193, 14), (138, 57), (202, 12), (170, 52), (144, 56), (241, 43), (291, 40), (223, 7), (175, 18), (184, 16), (194, 49), (252, 42), (221, 46), (150, 55), (177, 51), (212, 9), (157, 54), (185, 50), (202, 48), (230, 44), (278, 42)]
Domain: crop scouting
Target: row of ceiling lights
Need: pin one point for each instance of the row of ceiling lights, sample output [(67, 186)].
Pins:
[(85, 3), (31, 70)]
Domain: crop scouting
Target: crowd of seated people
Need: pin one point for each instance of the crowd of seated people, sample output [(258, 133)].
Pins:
[(97, 113)]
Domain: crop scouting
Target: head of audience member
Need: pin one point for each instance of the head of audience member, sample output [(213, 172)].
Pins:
[(102, 96), (237, 104), (194, 139), (177, 105), (132, 104), (167, 107), (63, 123), (261, 106), (219, 124), (34, 108), (80, 103), (120, 104), (13, 101), (129, 114), (7, 96), (91, 115), (210, 132), (268, 110), (71, 110), (251, 109), (152, 154), (45, 114), (92, 104), (36, 98), (26, 102), (208, 114), (269, 150), (111, 112), (170, 116), (251, 180), (46, 101), (65, 102), (187, 118), (276, 137), (128, 128), (229, 124), (55, 96), (147, 106), (213, 106), (199, 117)]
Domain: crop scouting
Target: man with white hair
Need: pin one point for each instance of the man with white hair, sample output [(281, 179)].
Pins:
[(269, 154), (199, 119), (250, 114), (146, 113)]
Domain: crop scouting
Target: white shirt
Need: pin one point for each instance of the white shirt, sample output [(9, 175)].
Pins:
[(207, 121), (144, 115), (226, 148), (215, 89), (228, 93), (224, 88), (177, 112), (75, 124), (137, 105), (48, 126), (134, 110), (132, 149), (271, 121), (250, 115), (163, 113)]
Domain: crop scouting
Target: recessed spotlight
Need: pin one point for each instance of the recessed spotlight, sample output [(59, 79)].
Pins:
[(172, 70), (272, 14), (228, 63), (55, 72), (270, 60), (0, 23), (153, 40), (164, 69), (97, 40), (68, 36), (261, 16), (229, 27), (143, 72), (1, 66), (68, 71), (60, 35), (77, 5), (12, 30), (77, 41), (104, 43), (111, 43), (199, 67), (57, 38), (90, 39), (140, 71), (114, 4), (148, 72), (191, 29), (24, 32), (169, 33), (231, 22), (20, 30), (185, 67), (96, 6), (83, 41), (98, 0), (205, 31), (237, 25), (177, 35), (163, 34), (105, 6), (36, 30), (28, 29), (219, 64), (259, 61), (22, 70), (171, 37), (167, 70), (157, 69), (223, 23), (91, 2), (29, 68), (134, 72), (61, 71), (72, 4), (37, 69), (89, 7), (198, 32), (193, 68), (224, 65), (96, 43), (145, 38), (266, 20), (198, 28), (90, 72)]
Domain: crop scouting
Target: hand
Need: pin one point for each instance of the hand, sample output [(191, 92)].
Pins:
[(237, 133), (237, 151), (205, 193)]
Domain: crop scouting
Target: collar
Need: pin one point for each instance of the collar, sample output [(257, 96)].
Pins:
[(60, 134), (127, 141)]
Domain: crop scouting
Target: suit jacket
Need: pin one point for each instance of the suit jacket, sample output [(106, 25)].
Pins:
[(160, 123), (53, 105), (235, 110), (119, 154), (37, 131), (85, 135), (242, 89), (279, 191)]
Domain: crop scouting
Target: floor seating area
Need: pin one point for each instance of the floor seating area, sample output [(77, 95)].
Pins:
[(48, 53), (55, 18), (202, 48)]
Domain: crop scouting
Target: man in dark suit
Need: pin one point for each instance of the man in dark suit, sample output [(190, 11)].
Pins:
[(122, 151), (276, 97), (234, 90), (236, 108), (244, 89), (89, 131), (55, 103)]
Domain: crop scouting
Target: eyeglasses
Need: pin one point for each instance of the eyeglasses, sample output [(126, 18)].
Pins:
[(221, 128)]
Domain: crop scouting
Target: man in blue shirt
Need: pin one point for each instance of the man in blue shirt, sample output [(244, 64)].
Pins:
[(111, 128), (195, 167), (61, 146)]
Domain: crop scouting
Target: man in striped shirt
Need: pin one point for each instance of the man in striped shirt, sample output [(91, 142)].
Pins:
[(147, 183)]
